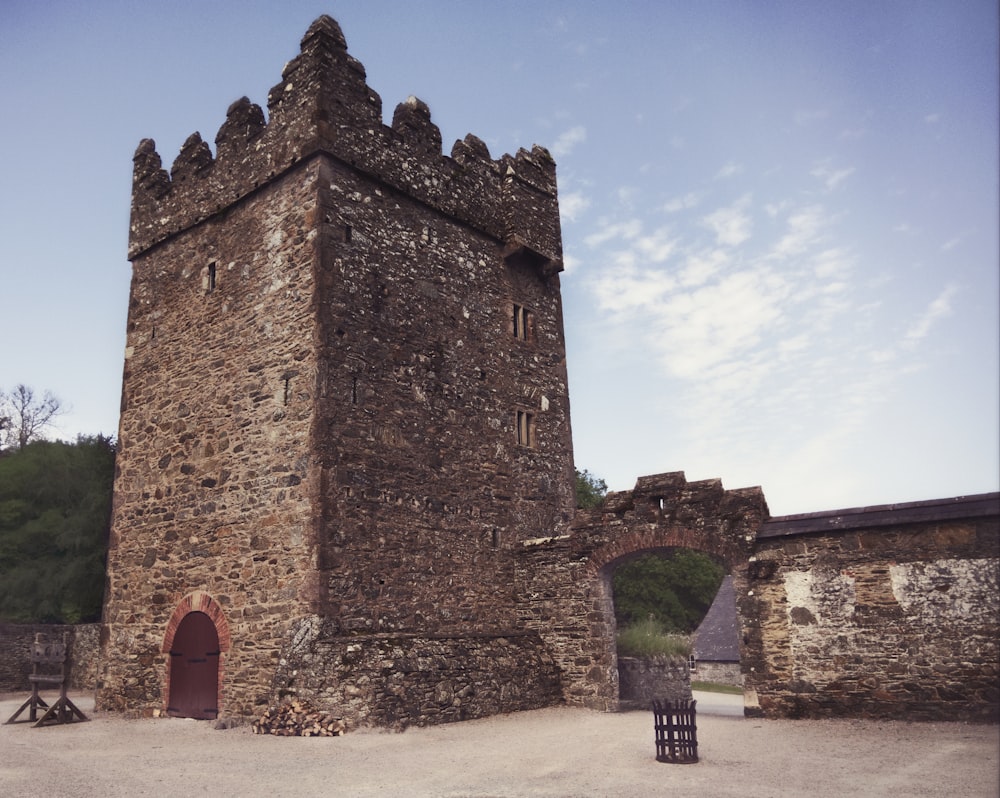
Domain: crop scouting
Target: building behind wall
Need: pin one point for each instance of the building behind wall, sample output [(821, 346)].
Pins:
[(344, 405)]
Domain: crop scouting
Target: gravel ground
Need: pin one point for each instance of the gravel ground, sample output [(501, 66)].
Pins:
[(549, 752)]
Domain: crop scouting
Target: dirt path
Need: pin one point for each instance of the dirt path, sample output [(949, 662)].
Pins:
[(550, 752)]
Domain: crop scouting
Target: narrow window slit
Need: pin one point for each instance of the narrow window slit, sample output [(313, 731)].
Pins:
[(522, 323), (525, 428)]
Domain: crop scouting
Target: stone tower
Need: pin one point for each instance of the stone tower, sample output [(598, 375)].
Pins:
[(344, 407)]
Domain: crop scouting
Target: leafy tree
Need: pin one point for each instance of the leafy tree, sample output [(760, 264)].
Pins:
[(55, 510), (23, 418), (590, 490), (675, 590)]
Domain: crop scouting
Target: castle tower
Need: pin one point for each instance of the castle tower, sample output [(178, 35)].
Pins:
[(344, 406)]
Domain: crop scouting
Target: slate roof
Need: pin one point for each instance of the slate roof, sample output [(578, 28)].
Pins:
[(717, 638)]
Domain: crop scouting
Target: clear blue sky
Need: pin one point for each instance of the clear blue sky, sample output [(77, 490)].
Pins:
[(779, 218)]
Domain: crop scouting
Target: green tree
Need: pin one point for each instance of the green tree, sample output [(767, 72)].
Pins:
[(675, 590), (590, 490), (55, 509)]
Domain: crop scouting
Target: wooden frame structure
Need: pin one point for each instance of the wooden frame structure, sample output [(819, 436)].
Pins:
[(50, 667)]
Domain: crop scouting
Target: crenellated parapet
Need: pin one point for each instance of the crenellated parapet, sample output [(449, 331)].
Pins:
[(666, 507), (323, 104)]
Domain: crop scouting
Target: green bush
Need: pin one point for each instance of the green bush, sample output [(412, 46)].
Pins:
[(649, 639)]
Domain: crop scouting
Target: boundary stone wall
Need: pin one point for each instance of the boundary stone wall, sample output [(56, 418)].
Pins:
[(15, 660), (641, 679), (884, 612)]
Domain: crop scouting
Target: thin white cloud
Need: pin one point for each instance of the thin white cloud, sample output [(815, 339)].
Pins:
[(626, 195), (657, 247), (832, 263), (730, 169), (689, 200), (938, 309), (958, 240), (627, 289), (565, 143), (701, 266), (804, 231), (831, 177), (572, 205), (628, 229), (570, 263), (732, 225)]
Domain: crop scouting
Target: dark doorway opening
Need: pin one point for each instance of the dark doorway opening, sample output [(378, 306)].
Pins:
[(194, 669)]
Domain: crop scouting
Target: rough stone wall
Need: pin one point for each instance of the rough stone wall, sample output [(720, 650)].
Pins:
[(15, 653), (718, 673), (876, 617), (323, 104), (336, 336), (564, 580), (215, 473), (399, 680), (426, 488), (642, 679)]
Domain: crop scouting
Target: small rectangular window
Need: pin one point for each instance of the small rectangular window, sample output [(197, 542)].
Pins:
[(208, 279), (525, 423), (523, 323)]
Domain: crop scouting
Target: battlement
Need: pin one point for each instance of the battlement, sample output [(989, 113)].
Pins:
[(323, 104)]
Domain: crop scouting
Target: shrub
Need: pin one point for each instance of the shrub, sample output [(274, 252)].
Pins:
[(649, 639)]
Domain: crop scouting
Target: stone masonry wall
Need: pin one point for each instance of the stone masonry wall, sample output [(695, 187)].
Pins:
[(15, 653), (214, 481), (323, 104), (874, 616), (642, 679), (564, 580), (345, 390), (402, 680), (426, 487)]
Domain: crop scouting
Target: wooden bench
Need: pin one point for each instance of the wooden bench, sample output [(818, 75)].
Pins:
[(50, 668)]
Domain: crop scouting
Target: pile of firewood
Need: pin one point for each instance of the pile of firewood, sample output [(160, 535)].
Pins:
[(298, 719)]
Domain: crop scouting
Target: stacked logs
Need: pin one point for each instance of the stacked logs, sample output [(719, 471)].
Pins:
[(298, 719)]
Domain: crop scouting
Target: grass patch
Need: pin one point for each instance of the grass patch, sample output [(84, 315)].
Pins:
[(648, 639), (713, 687)]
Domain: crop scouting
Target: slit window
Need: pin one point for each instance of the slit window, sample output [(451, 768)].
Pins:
[(522, 323), (208, 281), (525, 422)]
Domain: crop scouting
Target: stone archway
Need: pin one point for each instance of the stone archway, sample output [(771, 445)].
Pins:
[(196, 639), (568, 577)]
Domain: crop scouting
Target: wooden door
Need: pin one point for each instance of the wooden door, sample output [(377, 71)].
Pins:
[(194, 669)]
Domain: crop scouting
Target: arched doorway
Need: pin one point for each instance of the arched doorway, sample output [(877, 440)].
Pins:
[(194, 669)]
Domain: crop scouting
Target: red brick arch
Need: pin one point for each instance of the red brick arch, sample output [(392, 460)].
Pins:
[(651, 538), (198, 601)]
